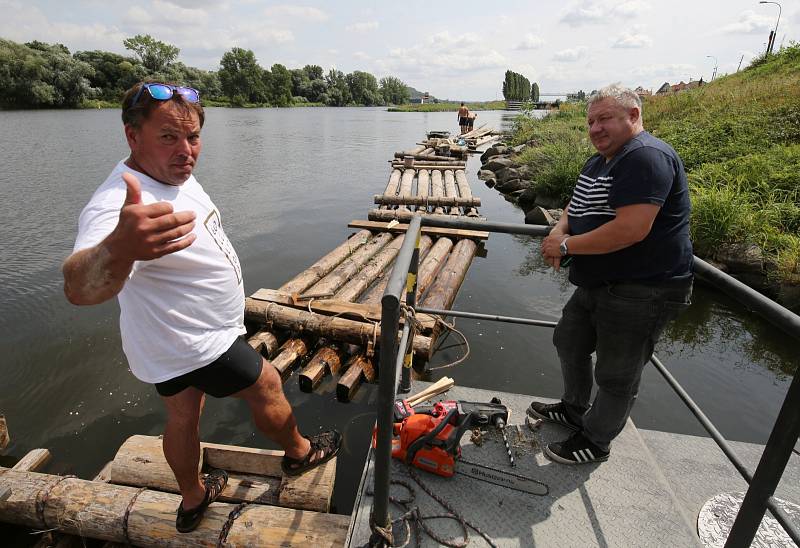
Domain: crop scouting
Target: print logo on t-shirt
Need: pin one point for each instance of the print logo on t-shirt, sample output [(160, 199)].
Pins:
[(214, 226)]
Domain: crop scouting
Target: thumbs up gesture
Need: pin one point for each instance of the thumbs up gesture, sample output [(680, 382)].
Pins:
[(150, 231)]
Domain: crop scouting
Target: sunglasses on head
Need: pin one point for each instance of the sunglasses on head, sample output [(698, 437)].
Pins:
[(164, 92)]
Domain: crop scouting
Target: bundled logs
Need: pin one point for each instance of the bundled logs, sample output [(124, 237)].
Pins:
[(147, 518)]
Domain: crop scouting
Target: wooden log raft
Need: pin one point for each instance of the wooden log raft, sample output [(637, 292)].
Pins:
[(429, 165), (147, 518), (406, 183), (444, 290), (296, 348), (465, 191), (454, 200), (437, 190), (282, 317), (402, 216), (254, 474), (393, 184), (450, 190), (361, 367), (423, 187)]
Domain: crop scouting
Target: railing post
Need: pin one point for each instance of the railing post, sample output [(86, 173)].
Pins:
[(770, 469), (387, 373), (411, 301)]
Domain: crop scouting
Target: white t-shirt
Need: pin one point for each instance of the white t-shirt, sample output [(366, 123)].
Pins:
[(179, 312)]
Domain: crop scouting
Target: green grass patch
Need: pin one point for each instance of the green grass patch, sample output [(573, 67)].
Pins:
[(739, 138)]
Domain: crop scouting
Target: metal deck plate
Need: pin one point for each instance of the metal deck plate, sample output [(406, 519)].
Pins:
[(623, 502)]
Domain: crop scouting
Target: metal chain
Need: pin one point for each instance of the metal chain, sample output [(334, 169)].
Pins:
[(127, 515), (235, 513), (42, 496)]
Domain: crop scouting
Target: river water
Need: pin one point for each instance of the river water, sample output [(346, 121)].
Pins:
[(286, 182)]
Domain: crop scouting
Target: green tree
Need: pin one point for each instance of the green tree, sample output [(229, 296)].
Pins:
[(41, 75), (394, 91), (154, 54), (280, 86), (338, 92), (535, 92), (363, 88), (241, 77), (113, 73)]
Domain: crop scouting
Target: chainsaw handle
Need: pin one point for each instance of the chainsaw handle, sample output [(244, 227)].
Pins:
[(454, 441), (418, 443)]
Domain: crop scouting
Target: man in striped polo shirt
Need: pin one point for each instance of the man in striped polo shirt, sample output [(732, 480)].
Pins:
[(627, 230)]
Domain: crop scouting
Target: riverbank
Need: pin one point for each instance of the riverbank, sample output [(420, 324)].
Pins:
[(739, 138), (448, 106)]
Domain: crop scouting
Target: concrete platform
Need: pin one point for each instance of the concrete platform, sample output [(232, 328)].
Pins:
[(649, 493)]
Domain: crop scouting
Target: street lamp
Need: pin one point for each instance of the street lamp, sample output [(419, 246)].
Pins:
[(775, 32), (714, 75)]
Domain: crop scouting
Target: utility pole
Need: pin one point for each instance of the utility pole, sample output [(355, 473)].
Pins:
[(774, 32), (740, 63)]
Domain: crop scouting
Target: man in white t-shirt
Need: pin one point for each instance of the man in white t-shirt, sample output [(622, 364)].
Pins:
[(152, 237)]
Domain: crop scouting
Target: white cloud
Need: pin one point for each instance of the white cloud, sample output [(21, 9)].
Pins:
[(530, 41), (306, 13), (455, 56), (749, 22), (571, 55), (363, 26), (361, 56), (630, 8), (581, 15), (165, 14), (584, 13), (632, 40)]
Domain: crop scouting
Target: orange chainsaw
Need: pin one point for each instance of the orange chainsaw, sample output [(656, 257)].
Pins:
[(429, 438)]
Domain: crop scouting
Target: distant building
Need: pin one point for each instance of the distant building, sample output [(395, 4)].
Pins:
[(666, 88), (641, 92)]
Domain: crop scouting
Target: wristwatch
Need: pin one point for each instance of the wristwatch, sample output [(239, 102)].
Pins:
[(563, 247)]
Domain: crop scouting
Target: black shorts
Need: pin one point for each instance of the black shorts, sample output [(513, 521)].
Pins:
[(235, 370), (470, 122), (463, 121)]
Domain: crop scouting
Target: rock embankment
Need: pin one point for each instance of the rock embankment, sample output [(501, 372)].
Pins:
[(744, 262), (500, 171)]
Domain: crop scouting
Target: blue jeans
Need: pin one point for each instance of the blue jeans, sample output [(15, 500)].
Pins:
[(621, 323)]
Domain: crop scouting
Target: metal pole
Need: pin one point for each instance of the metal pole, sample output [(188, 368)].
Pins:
[(469, 224), (769, 471), (411, 301), (775, 32), (387, 371), (488, 317)]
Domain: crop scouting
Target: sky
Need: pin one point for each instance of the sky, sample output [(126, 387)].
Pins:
[(456, 50)]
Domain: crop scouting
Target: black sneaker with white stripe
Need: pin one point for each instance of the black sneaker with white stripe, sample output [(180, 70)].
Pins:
[(575, 450), (553, 412)]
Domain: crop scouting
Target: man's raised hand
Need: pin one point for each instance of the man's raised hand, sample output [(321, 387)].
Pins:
[(150, 231)]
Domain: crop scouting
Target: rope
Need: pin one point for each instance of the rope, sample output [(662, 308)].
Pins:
[(127, 514), (43, 495), (223, 533), (412, 515), (410, 315)]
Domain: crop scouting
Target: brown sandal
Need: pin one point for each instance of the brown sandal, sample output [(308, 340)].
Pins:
[(328, 442), (188, 520)]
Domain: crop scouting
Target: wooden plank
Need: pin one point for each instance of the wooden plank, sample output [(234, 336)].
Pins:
[(96, 510), (254, 475), (5, 438), (322, 306), (403, 227), (5, 492), (400, 215), (33, 461), (382, 199)]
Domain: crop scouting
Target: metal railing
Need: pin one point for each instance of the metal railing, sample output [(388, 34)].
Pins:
[(762, 483)]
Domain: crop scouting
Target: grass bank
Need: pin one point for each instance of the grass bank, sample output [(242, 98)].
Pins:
[(447, 107), (739, 138)]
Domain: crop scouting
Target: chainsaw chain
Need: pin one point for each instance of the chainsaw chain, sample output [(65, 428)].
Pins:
[(504, 472)]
